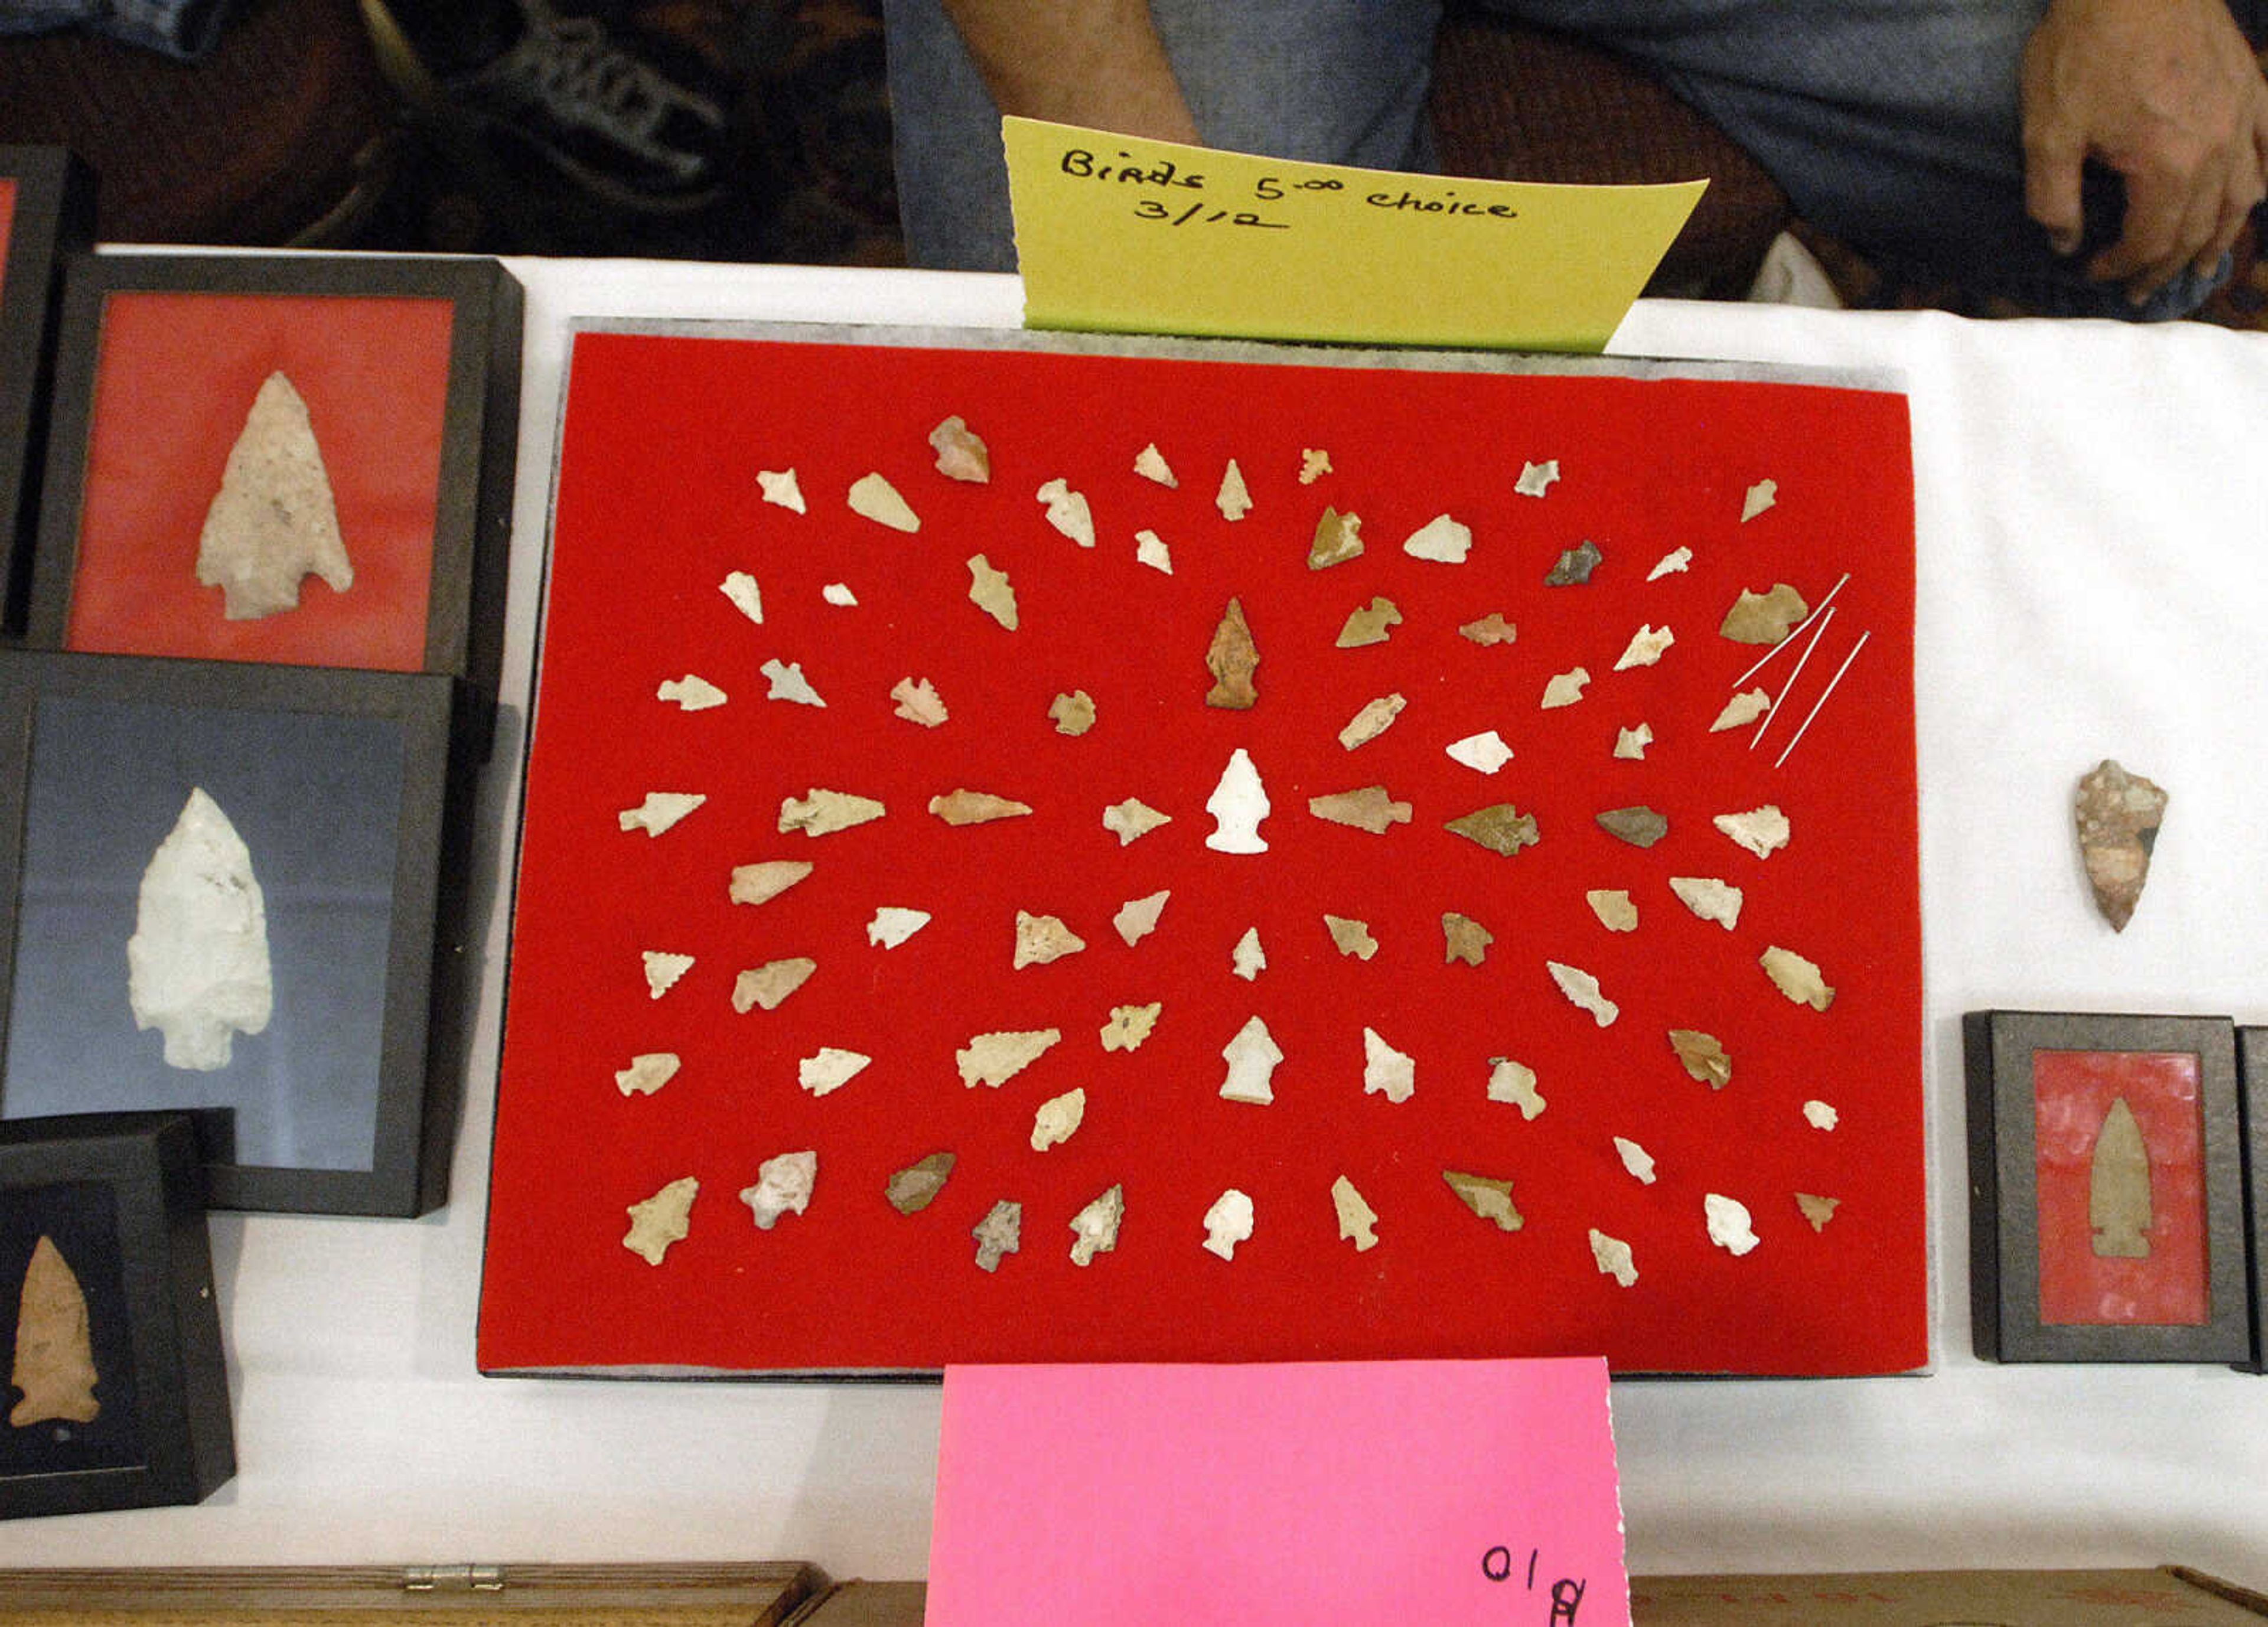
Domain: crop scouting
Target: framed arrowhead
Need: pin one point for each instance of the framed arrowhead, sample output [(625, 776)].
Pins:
[(46, 210), (283, 459), (221, 890), (109, 1327), (2107, 1222)]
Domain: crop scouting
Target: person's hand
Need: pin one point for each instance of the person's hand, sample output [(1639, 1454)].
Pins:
[(2167, 93)]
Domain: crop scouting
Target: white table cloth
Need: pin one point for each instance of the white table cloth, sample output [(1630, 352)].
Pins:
[(2093, 528)]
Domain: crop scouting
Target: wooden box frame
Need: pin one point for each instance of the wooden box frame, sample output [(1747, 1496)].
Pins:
[(424, 1021), (464, 631), (150, 1162), (52, 214), (764, 1593), (2003, 1192)]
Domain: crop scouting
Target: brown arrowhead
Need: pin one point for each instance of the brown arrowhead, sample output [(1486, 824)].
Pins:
[(1232, 658), (2119, 815)]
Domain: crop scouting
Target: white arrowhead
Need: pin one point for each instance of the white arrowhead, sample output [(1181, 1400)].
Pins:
[(197, 966), (1386, 1069), (779, 487), (274, 521), (891, 926), (1252, 1056), (747, 597), (1487, 752), (1440, 538), (659, 810), (1237, 804)]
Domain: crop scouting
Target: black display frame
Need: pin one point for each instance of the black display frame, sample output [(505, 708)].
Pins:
[(472, 530), (54, 215), (2252, 1072), (2004, 1190), (424, 1022), (151, 1166)]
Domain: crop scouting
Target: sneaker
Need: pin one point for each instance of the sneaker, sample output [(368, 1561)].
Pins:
[(566, 95)]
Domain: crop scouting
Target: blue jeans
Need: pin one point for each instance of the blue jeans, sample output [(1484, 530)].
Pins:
[(1892, 124)]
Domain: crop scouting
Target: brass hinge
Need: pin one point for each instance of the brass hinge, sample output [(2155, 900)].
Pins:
[(453, 1578)]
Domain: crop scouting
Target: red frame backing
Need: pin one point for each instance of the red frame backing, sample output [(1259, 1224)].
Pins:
[(658, 500), (175, 376), (2072, 1090)]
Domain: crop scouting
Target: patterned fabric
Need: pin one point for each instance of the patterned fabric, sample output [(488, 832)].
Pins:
[(185, 29)]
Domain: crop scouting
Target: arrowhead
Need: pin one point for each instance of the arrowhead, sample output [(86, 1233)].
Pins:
[(274, 519)]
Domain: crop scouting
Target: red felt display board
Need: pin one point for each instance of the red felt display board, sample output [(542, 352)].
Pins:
[(176, 375), (658, 500), (2072, 1092)]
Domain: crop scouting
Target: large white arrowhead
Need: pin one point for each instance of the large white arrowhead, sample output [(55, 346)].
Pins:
[(273, 520), (197, 964)]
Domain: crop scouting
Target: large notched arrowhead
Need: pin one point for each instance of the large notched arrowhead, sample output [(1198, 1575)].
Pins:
[(274, 521), (54, 1356), (197, 965)]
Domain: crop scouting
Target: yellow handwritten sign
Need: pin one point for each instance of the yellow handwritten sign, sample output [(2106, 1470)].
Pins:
[(1123, 235)]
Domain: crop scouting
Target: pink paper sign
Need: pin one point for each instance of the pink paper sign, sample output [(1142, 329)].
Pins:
[(1447, 1492)]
